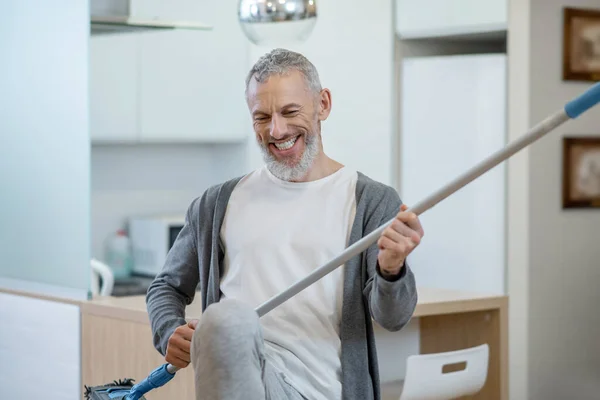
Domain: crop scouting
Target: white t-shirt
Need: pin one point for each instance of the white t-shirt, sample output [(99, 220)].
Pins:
[(275, 233)]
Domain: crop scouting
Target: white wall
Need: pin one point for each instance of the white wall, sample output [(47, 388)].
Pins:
[(352, 47), (564, 355), (39, 349), (44, 150), (552, 267), (517, 208), (153, 179), (44, 178)]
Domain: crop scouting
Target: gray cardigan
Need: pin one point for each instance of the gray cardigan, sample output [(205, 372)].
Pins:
[(194, 262)]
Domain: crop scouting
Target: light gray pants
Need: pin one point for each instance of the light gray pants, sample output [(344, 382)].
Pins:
[(227, 355)]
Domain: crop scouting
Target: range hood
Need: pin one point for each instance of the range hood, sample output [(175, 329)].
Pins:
[(113, 24), (115, 16)]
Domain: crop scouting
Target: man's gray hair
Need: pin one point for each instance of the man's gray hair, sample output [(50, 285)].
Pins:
[(281, 62)]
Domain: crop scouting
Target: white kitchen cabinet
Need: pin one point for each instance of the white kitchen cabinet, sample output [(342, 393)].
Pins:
[(172, 85), (192, 87), (179, 10), (114, 70), (453, 117), (433, 18), (150, 9)]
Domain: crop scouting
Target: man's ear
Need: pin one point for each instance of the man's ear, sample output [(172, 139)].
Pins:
[(324, 104)]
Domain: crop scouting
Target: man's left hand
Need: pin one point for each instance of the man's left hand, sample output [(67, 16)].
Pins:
[(397, 241)]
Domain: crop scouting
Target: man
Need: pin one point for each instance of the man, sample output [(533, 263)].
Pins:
[(250, 238)]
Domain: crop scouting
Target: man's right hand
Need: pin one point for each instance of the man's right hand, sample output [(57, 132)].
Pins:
[(179, 345)]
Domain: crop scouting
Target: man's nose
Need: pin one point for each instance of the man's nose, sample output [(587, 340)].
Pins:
[(278, 127)]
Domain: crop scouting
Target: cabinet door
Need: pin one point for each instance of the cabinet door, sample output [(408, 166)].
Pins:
[(179, 10), (427, 18), (192, 86), (454, 116), (114, 87)]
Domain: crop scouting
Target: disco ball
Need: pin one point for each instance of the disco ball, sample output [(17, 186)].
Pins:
[(270, 22)]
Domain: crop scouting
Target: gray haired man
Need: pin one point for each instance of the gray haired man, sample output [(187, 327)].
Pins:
[(249, 238)]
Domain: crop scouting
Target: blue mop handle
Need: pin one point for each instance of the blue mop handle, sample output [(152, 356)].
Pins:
[(157, 378), (583, 102)]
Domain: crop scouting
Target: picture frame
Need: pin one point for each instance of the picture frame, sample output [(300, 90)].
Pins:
[(581, 172), (581, 44)]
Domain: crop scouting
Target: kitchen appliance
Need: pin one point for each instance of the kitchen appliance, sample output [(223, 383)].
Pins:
[(123, 16), (152, 236)]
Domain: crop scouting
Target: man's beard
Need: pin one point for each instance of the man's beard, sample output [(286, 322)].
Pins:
[(299, 169)]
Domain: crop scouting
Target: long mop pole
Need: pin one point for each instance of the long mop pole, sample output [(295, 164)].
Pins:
[(361, 245), (571, 110)]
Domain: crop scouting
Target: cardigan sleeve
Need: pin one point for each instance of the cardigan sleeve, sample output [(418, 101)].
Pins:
[(174, 287), (391, 301)]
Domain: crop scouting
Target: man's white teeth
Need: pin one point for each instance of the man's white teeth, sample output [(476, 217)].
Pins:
[(286, 145)]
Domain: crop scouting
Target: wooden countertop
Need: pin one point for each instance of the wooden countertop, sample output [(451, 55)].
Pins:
[(431, 302)]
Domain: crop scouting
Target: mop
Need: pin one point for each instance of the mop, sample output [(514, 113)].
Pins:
[(126, 390)]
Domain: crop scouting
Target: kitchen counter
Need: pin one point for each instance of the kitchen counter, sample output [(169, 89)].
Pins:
[(116, 338), (431, 302)]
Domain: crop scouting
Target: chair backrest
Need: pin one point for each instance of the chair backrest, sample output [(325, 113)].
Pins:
[(102, 270), (427, 380)]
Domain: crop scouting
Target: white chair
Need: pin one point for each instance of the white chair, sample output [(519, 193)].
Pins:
[(426, 380), (101, 270)]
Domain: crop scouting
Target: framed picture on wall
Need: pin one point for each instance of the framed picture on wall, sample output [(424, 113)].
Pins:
[(581, 44), (581, 172)]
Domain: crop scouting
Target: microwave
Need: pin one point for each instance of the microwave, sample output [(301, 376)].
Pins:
[(151, 239)]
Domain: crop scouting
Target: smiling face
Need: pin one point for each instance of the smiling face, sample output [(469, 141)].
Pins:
[(286, 117)]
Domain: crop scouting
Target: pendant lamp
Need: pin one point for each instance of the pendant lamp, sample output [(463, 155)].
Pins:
[(277, 22)]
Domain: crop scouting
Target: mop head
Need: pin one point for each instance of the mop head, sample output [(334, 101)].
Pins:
[(126, 390), (118, 390)]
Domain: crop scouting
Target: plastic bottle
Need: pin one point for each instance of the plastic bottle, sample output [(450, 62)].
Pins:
[(119, 254)]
